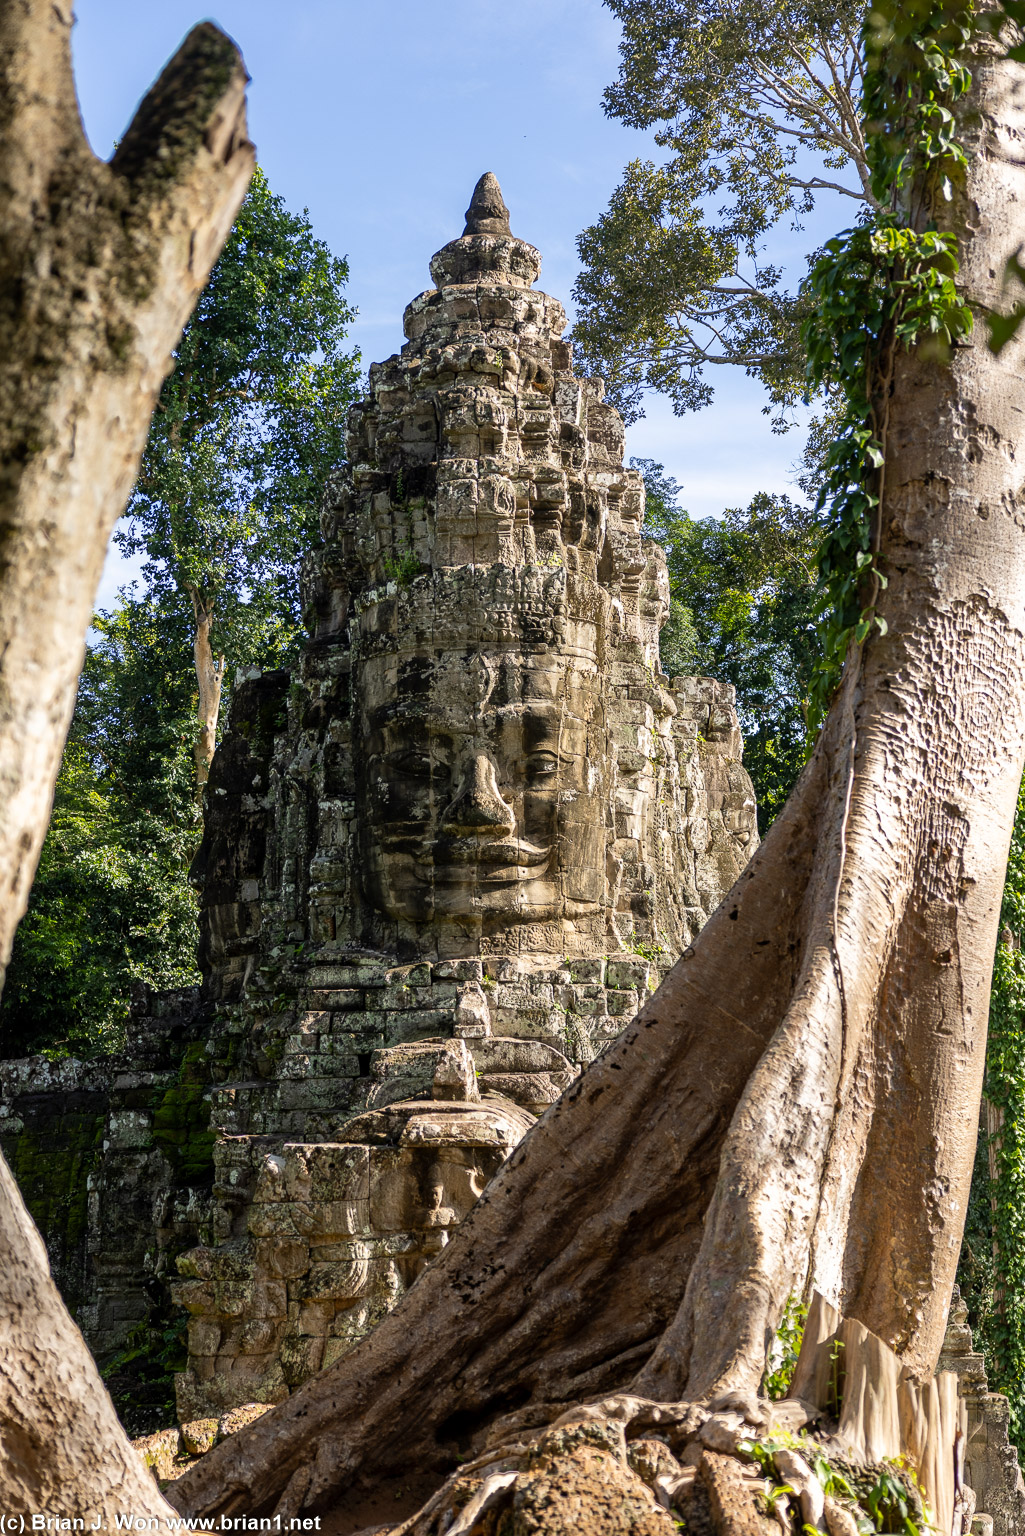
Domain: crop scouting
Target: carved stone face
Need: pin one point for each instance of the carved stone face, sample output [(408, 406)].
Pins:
[(484, 787)]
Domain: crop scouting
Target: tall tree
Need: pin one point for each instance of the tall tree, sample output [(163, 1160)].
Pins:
[(756, 104), (799, 1097), (111, 905), (245, 431), (653, 317), (100, 266)]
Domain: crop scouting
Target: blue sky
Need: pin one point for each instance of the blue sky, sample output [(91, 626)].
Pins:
[(380, 117)]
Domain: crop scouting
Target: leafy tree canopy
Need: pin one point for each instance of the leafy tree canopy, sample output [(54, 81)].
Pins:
[(246, 429), (757, 104), (743, 598), (111, 906)]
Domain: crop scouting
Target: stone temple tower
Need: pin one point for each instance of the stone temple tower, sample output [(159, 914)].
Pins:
[(445, 859), (498, 764)]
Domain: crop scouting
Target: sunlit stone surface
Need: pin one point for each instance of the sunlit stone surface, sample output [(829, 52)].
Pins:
[(482, 828)]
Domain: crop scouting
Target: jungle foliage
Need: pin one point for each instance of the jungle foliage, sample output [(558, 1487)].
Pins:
[(884, 286), (245, 431), (756, 106), (111, 907), (743, 598)]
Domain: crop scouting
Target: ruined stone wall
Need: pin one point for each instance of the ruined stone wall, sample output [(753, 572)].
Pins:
[(115, 1156), (114, 1159), (991, 1461)]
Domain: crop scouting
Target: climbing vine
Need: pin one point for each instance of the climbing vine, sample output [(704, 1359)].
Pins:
[(784, 1350), (887, 284)]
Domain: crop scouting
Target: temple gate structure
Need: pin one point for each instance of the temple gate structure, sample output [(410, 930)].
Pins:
[(491, 824), (445, 858), (444, 861)]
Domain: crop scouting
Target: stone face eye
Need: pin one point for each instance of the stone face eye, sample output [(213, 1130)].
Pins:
[(542, 765), (415, 764)]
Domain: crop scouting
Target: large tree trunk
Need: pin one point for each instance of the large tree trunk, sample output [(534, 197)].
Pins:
[(100, 266), (800, 1098), (209, 678)]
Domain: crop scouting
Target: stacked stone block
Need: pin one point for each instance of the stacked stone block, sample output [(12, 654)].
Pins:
[(114, 1159), (991, 1461), (335, 1233), (490, 822)]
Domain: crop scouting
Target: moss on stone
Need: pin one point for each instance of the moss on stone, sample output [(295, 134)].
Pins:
[(181, 1121), (51, 1162)]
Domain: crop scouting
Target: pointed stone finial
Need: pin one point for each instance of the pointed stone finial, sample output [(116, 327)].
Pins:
[(487, 213)]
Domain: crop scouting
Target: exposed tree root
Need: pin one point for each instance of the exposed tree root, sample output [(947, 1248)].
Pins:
[(563, 1278), (627, 1464)]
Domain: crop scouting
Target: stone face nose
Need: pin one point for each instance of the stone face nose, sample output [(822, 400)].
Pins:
[(487, 213), (479, 806)]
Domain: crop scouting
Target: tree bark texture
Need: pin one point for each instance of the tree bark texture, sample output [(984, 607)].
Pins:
[(100, 266), (209, 678), (799, 1101)]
